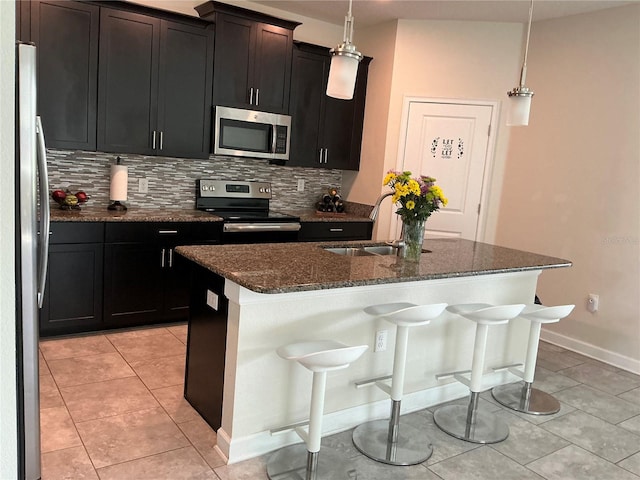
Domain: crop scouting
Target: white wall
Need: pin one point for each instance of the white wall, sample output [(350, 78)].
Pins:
[(572, 182), (437, 59), (8, 427)]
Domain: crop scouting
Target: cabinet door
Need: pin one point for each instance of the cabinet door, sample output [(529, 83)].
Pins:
[(308, 86), (233, 71), (133, 285), (177, 286), (66, 34), (272, 75), (128, 82), (184, 100), (73, 294)]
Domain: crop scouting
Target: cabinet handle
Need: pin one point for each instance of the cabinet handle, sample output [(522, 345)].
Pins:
[(154, 140), (326, 154), (161, 136), (336, 230), (171, 258), (167, 232), (251, 96), (320, 159), (162, 259), (257, 96)]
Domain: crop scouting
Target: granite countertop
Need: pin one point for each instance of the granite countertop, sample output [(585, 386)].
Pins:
[(89, 213), (294, 267)]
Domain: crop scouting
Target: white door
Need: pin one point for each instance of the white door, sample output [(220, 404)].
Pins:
[(448, 141)]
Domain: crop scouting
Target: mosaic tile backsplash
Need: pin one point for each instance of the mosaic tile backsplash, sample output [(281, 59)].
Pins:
[(172, 180)]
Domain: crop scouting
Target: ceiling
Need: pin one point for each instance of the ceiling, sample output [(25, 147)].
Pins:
[(372, 12)]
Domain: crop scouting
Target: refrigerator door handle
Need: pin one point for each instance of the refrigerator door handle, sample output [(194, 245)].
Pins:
[(45, 213)]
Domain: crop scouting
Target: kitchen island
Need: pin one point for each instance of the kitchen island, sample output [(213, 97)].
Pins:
[(247, 300)]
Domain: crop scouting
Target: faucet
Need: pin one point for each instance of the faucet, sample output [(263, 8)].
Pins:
[(399, 244)]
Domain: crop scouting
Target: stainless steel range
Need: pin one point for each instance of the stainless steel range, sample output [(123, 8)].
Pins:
[(244, 206)]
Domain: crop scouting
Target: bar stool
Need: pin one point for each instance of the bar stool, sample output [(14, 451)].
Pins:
[(520, 396), (391, 441), (468, 423), (301, 461)]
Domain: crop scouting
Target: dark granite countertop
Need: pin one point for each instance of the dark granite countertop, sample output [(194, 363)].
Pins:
[(294, 267), (101, 214)]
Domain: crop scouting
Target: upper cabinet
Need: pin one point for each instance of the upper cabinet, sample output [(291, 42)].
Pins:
[(154, 93), (66, 36), (325, 132), (252, 58)]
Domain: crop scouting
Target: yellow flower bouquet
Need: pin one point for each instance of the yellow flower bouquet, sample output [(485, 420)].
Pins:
[(417, 198)]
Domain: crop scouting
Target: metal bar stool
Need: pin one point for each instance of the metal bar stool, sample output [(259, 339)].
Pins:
[(468, 423), (301, 461), (391, 441), (520, 396)]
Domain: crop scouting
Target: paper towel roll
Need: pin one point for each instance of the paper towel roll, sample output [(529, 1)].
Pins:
[(119, 178)]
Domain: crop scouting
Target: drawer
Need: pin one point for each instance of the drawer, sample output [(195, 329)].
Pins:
[(319, 231), (170, 233), (206, 232), (76, 232)]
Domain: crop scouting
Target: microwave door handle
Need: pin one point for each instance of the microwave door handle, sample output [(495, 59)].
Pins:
[(274, 137)]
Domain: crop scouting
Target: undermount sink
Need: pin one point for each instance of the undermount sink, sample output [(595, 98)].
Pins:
[(363, 251)]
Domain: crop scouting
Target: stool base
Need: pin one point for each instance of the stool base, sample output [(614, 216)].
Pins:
[(521, 397), (411, 447), (290, 463), (487, 427)]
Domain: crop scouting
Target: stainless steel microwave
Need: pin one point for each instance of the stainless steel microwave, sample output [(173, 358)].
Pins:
[(247, 133)]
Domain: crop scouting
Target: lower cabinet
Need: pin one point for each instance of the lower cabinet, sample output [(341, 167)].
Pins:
[(73, 292), (321, 231)]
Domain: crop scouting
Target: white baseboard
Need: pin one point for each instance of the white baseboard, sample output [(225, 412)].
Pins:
[(238, 449), (607, 356)]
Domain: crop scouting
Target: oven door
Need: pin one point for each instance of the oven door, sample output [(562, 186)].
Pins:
[(260, 232), (247, 133)]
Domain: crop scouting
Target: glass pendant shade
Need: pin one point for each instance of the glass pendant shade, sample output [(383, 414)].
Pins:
[(342, 77), (519, 107)]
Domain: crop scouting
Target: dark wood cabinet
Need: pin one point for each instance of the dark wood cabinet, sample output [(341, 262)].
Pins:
[(154, 85), (325, 132), (335, 230), (252, 58), (66, 35), (73, 291)]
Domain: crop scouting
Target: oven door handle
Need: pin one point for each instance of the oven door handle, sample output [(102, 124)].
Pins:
[(261, 227)]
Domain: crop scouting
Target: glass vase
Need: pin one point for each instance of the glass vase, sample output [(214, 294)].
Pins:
[(413, 236)]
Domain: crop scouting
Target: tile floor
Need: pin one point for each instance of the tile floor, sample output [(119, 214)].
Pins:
[(112, 409)]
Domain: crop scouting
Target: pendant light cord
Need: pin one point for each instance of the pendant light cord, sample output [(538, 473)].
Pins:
[(348, 26), (523, 73)]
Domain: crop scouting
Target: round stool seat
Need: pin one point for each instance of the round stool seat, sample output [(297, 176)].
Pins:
[(322, 355), (406, 314), (542, 314), (487, 315)]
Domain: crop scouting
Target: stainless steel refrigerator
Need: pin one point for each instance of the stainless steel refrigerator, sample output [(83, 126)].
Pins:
[(32, 230)]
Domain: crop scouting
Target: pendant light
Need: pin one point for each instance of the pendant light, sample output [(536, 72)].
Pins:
[(520, 96), (344, 64)]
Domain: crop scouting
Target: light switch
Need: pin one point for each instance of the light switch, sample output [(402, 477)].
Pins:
[(212, 300)]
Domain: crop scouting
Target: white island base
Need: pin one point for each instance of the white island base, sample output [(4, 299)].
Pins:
[(264, 392)]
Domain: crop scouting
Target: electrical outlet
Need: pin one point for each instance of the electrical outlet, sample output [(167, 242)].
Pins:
[(301, 184), (143, 185), (381, 341), (593, 302)]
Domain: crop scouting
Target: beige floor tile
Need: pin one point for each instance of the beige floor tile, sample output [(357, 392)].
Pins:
[(89, 369), (103, 399), (137, 333), (57, 430), (68, 464), (180, 332), (184, 463), (75, 347), (122, 438), (202, 436), (134, 349), (49, 393), (42, 364), (160, 372), (173, 401)]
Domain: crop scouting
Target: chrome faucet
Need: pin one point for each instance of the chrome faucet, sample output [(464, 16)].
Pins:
[(399, 244)]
